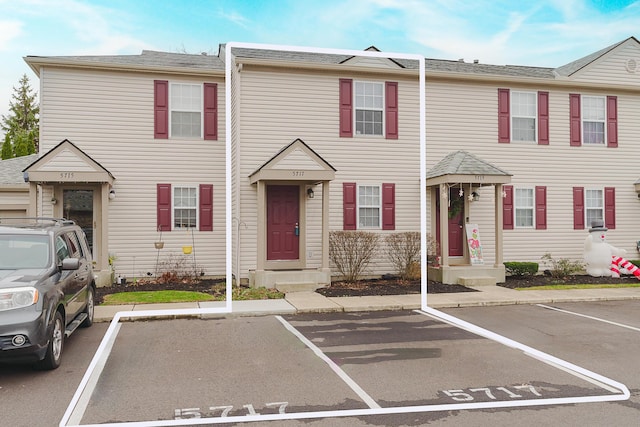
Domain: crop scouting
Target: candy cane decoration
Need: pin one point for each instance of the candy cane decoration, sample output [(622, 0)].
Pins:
[(618, 262)]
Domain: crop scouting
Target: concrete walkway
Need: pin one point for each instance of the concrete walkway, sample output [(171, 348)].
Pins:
[(312, 302)]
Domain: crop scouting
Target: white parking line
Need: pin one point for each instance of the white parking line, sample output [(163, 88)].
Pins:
[(633, 328), (342, 374)]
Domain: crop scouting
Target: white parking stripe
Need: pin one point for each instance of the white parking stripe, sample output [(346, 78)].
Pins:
[(346, 378), (589, 317)]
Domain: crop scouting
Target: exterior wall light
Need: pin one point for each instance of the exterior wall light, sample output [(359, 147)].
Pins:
[(112, 194), (475, 196), (310, 193)]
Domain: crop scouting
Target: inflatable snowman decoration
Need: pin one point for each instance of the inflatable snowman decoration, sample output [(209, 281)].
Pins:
[(603, 259)]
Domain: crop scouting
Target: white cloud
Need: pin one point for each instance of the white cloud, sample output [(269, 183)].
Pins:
[(9, 31)]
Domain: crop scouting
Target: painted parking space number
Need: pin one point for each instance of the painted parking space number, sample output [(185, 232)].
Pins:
[(467, 395), (223, 411)]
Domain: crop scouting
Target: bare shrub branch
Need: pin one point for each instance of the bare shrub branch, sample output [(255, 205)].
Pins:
[(403, 251), (351, 252)]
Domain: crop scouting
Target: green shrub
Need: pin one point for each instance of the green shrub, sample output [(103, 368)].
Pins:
[(515, 268), (562, 267)]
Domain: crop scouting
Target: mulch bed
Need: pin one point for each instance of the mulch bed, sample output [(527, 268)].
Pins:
[(384, 286)]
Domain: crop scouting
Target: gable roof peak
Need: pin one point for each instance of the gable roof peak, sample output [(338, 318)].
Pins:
[(572, 67)]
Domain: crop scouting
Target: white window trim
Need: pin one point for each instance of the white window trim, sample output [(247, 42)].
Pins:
[(201, 110), (532, 208), (582, 121), (534, 117), (374, 227), (355, 108), (587, 208), (196, 187)]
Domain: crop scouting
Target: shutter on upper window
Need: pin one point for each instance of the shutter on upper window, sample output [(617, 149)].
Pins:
[(612, 121), (541, 208), (578, 208), (610, 207), (206, 207), (504, 126), (391, 110), (543, 118), (163, 202), (346, 108), (349, 206), (161, 109), (575, 125), (388, 206), (210, 111), (507, 208)]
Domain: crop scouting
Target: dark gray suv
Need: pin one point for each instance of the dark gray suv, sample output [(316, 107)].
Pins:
[(47, 288)]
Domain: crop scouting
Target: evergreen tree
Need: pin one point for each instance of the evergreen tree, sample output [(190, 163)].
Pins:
[(22, 122), (7, 148)]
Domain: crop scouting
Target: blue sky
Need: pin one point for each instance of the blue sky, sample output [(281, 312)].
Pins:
[(539, 33)]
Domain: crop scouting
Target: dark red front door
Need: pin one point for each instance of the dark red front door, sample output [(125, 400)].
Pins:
[(283, 222), (456, 223)]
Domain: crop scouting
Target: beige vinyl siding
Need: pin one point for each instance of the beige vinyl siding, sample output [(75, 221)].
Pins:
[(612, 69), (464, 117), (279, 107), (109, 115)]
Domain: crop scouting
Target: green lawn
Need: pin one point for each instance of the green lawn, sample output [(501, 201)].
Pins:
[(171, 296)]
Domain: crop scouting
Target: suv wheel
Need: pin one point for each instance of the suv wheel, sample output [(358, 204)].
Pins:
[(89, 309), (56, 343)]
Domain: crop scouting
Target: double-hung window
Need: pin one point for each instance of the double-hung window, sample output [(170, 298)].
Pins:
[(593, 205), (524, 109), (369, 108), (186, 110), (593, 119), (185, 207), (369, 200), (524, 207)]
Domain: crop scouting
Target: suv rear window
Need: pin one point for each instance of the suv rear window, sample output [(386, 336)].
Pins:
[(21, 251)]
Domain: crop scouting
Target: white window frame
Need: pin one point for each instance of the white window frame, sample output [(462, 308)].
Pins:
[(594, 203), (519, 206), (357, 107), (196, 208), (359, 205), (193, 109), (587, 117), (517, 113)]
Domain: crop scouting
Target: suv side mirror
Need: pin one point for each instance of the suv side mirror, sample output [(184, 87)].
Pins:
[(70, 264)]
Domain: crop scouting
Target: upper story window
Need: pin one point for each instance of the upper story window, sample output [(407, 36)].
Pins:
[(593, 120), (369, 108), (524, 108), (375, 105), (186, 110), (523, 116)]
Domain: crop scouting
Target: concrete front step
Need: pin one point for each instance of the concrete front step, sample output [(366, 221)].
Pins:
[(477, 281)]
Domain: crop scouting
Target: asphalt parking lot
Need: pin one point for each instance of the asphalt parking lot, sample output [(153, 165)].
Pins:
[(380, 368)]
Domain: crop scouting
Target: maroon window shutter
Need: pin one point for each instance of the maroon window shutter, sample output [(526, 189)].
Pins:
[(507, 208), (346, 108), (610, 207), (578, 208), (211, 111), (163, 201), (575, 140), (504, 125), (543, 118), (349, 206), (388, 206), (612, 122), (541, 208), (391, 110), (161, 109), (206, 207)]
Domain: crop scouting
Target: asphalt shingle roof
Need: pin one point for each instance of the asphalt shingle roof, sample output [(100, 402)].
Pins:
[(11, 169), (464, 163)]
